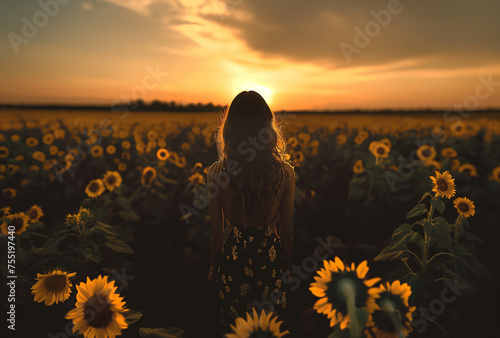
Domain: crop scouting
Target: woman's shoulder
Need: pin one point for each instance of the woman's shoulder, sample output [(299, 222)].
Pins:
[(214, 167), (289, 170)]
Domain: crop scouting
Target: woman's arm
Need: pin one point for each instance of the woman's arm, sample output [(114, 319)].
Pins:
[(216, 217), (286, 217)]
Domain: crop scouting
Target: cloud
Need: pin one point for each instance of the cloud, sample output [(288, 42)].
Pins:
[(447, 33)]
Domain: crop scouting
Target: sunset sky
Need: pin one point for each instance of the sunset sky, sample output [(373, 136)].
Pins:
[(299, 54)]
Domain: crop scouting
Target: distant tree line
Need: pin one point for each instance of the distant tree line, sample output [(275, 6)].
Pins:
[(136, 105)]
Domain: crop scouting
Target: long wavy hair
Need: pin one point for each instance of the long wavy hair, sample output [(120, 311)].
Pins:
[(249, 124)]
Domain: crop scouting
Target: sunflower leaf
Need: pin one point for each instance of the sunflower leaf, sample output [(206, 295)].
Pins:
[(129, 216), (438, 231), (424, 196), (418, 210), (132, 316), (116, 244), (438, 205), (162, 332), (466, 263)]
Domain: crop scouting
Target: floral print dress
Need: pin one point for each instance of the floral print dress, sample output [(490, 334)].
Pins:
[(249, 273)]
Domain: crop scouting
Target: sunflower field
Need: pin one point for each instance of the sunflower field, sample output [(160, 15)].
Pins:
[(105, 228)]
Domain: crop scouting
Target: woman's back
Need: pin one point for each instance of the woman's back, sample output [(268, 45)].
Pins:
[(250, 267), (267, 216)]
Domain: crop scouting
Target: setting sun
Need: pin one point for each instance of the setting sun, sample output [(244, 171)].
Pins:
[(265, 92)]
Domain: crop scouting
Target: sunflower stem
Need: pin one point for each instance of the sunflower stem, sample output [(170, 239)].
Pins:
[(347, 288), (455, 230), (427, 240)]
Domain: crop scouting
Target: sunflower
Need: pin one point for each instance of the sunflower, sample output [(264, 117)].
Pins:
[(315, 143), (111, 149), (31, 142), (8, 193), (379, 149), (162, 154), (359, 139), (126, 144), (468, 168), (35, 213), (53, 150), (437, 165), (332, 302), (59, 134), (426, 153), (19, 221), (112, 179), (259, 325), (96, 151), (95, 188), (393, 297), (48, 139), (122, 166), (4, 212), (458, 128), (444, 184), (358, 167), (341, 139), (197, 179), (39, 156), (98, 309), (185, 146), (148, 175), (455, 164), (52, 287), (4, 152), (449, 152), (292, 141), (15, 138), (495, 174), (464, 206), (308, 194)]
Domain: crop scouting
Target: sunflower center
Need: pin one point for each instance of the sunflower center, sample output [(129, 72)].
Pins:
[(7, 193), (148, 174), (262, 334), (380, 150), (55, 283), (94, 187), (3, 152), (97, 312), (17, 222), (467, 171), (442, 185), (111, 180), (463, 207), (426, 152), (458, 128), (33, 214)]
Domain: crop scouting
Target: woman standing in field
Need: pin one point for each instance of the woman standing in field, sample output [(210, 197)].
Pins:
[(250, 186)]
